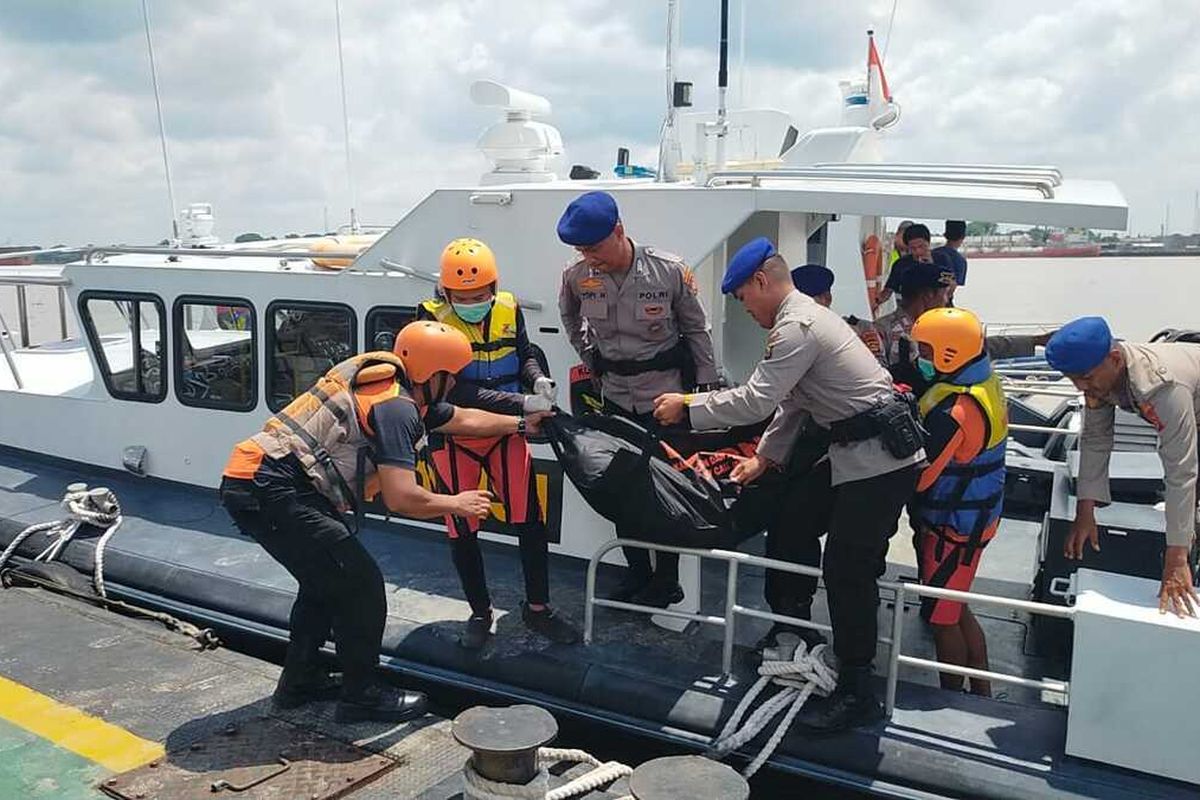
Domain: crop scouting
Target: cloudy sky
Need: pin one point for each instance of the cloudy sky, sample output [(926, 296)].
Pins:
[(1102, 88)]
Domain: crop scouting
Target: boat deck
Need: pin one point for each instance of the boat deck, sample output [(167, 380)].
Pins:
[(177, 551)]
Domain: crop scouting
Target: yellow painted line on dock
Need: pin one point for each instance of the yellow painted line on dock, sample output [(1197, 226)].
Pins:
[(103, 743)]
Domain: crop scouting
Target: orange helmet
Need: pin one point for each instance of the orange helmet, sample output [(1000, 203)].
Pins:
[(430, 347), (954, 334), (468, 264)]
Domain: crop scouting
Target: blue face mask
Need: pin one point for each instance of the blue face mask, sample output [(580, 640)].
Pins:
[(925, 366), (472, 312)]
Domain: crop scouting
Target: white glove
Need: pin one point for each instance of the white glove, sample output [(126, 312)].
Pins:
[(547, 388), (536, 402)]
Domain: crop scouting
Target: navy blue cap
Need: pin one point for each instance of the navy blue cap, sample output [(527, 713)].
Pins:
[(925, 275), (1079, 346), (813, 279), (588, 219), (745, 262)]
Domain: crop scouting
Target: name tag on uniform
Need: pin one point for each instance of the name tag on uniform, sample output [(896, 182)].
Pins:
[(594, 304)]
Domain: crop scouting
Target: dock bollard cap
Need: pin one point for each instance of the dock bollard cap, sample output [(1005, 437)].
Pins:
[(695, 777)]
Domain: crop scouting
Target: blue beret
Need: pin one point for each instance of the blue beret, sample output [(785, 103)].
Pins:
[(588, 219), (813, 279), (1079, 346), (745, 262), (925, 275)]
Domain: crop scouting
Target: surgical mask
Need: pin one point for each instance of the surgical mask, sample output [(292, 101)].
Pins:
[(925, 367), (472, 312)]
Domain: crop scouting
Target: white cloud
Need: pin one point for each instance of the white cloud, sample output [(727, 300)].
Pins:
[(250, 95)]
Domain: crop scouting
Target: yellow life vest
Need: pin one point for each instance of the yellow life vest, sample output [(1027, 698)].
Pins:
[(496, 363), (987, 393)]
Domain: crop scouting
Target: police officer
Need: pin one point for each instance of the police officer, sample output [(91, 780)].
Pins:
[(924, 286), (632, 314), (816, 366), (816, 281), (1161, 383), (289, 485)]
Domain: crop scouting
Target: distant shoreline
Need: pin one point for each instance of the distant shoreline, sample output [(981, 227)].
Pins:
[(1138, 252)]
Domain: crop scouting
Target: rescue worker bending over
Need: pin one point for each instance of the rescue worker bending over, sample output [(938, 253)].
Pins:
[(1160, 382), (289, 486), (632, 314), (961, 493), (501, 360), (816, 366)]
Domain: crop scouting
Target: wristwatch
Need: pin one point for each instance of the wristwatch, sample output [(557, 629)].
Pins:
[(520, 426)]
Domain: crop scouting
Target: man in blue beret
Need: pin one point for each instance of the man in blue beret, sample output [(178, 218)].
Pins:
[(1161, 383), (633, 315), (816, 281), (816, 367), (924, 286)]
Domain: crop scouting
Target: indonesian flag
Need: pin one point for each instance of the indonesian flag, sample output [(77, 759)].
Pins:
[(877, 89)]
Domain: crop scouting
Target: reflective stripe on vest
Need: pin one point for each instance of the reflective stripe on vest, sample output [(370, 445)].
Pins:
[(326, 427), (496, 363), (968, 497)]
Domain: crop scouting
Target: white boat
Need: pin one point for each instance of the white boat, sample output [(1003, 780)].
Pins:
[(186, 351)]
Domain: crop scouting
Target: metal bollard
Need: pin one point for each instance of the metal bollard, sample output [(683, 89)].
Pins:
[(695, 777), (505, 741)]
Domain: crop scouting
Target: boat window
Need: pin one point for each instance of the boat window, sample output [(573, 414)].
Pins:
[(384, 322), (215, 364), (119, 325), (304, 341)]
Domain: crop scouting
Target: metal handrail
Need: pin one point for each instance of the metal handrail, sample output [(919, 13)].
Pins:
[(1014, 169), (212, 252), (34, 280), (1053, 177), (732, 610), (5, 343), (720, 177)]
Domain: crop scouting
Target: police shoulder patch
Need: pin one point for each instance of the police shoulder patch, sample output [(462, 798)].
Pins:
[(689, 280), (663, 255)]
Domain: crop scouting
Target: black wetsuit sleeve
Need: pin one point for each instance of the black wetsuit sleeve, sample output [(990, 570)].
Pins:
[(471, 395)]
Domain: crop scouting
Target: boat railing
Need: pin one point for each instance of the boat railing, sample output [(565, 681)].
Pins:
[(93, 254), (859, 172), (733, 610), (1053, 174)]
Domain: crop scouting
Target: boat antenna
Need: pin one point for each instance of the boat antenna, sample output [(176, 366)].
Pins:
[(722, 83), (669, 151), (888, 39), (162, 130), (742, 55), (354, 226)]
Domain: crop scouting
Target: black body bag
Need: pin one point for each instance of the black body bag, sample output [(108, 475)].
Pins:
[(630, 477)]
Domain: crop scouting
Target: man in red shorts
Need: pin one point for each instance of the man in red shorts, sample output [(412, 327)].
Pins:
[(961, 493), (502, 360)]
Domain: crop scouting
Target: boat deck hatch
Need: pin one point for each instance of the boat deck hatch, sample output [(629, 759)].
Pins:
[(261, 758)]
